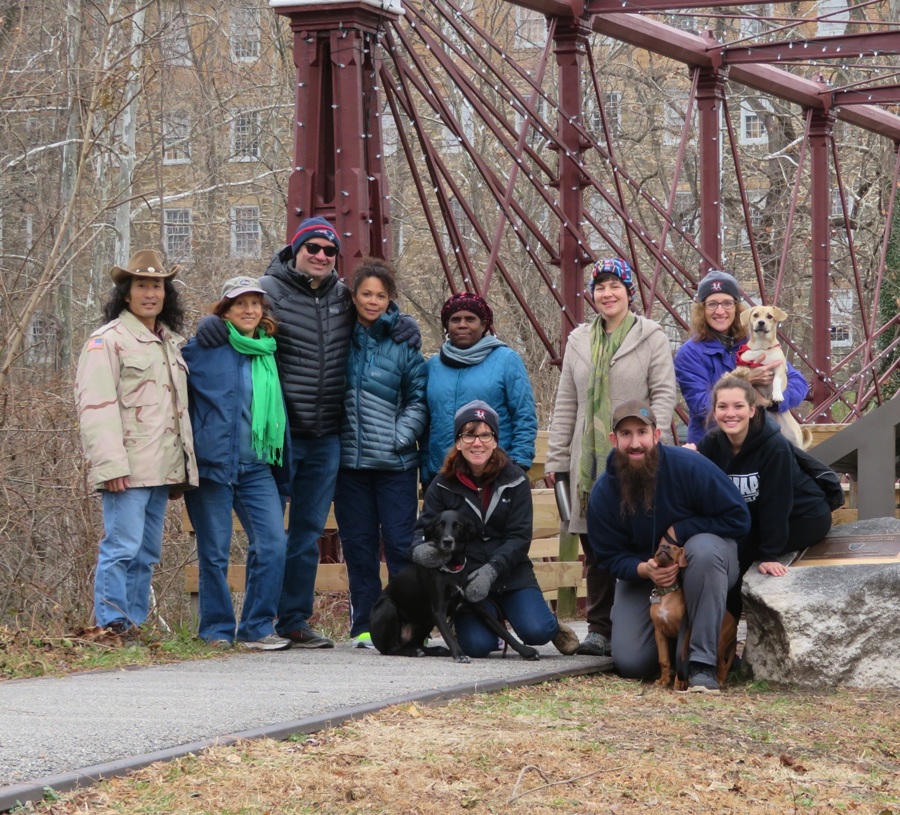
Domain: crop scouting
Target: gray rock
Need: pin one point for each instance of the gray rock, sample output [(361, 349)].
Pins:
[(822, 626)]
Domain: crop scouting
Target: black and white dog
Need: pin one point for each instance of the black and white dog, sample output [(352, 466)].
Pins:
[(418, 599)]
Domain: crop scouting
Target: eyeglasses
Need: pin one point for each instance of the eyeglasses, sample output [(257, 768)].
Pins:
[(469, 438), (315, 248), (725, 305)]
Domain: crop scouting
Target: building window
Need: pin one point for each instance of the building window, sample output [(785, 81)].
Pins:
[(177, 137), (753, 130), (674, 109), (178, 236), (175, 41), (835, 23), (244, 34), (246, 238), (531, 28), (754, 24), (842, 311), (612, 106), (41, 340), (245, 136)]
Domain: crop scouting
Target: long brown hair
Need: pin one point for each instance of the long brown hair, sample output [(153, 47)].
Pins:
[(700, 329), (268, 323)]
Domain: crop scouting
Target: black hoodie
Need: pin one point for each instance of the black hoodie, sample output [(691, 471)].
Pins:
[(776, 489)]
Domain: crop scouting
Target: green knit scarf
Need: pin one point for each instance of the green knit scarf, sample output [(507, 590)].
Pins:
[(267, 419), (595, 445)]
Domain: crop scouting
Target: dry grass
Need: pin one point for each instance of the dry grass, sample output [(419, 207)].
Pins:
[(586, 745)]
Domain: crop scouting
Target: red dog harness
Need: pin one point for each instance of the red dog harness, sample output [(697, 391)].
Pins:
[(746, 363)]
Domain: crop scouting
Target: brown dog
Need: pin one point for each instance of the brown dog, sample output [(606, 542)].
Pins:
[(762, 348), (667, 610)]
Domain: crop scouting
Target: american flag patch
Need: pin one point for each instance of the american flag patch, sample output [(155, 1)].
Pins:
[(95, 344)]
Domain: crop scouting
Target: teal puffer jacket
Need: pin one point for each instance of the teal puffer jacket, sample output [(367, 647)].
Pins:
[(384, 403)]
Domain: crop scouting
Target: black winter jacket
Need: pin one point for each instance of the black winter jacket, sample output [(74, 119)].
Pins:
[(777, 490), (314, 330), (504, 527)]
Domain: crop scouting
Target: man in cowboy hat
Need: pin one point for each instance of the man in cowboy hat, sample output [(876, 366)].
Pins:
[(131, 393)]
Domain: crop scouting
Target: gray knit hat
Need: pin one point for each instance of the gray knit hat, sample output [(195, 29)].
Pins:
[(717, 282), (476, 411)]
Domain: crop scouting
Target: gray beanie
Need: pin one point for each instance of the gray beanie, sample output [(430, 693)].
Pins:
[(717, 282), (476, 411)]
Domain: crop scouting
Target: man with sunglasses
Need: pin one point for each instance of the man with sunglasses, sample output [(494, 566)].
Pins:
[(315, 323)]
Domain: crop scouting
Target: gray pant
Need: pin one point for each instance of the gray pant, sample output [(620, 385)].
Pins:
[(712, 569)]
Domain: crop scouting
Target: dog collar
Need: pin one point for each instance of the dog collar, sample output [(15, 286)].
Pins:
[(662, 591), (746, 363), (453, 569)]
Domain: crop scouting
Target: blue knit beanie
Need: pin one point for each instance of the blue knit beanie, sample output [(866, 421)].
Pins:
[(314, 228)]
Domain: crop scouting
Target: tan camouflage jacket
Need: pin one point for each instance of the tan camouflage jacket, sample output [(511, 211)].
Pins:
[(131, 392)]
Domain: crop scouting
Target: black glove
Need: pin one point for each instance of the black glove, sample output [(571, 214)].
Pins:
[(212, 332), (428, 555), (406, 329), (480, 582)]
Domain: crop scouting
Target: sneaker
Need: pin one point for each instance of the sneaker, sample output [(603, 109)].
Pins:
[(363, 640), (270, 643), (595, 645), (307, 638), (565, 640), (702, 680)]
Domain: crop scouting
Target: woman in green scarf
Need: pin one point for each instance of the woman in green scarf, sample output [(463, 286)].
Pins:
[(237, 411), (614, 357)]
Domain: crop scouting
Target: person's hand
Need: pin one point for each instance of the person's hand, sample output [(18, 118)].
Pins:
[(428, 555), (480, 582), (690, 446), (550, 479), (406, 329), (212, 332), (119, 484), (764, 375), (659, 575), (773, 567)]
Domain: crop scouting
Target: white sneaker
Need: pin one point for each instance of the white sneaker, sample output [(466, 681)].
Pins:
[(270, 643), (363, 640)]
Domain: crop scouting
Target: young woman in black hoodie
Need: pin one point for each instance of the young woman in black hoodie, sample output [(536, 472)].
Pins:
[(788, 510)]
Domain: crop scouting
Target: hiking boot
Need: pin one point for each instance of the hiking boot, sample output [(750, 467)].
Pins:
[(307, 638), (702, 679), (270, 643), (565, 640), (595, 645), (363, 640)]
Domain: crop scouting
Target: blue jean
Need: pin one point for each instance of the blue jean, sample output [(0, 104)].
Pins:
[(371, 507), (131, 546), (527, 612), (254, 497), (314, 464), (712, 569)]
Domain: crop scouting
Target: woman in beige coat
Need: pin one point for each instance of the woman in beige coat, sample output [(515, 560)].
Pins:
[(613, 358)]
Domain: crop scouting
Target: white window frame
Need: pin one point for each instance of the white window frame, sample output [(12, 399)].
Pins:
[(531, 28), (748, 116), (41, 339), (246, 233), (178, 233), (245, 135), (177, 137), (244, 34), (612, 106), (842, 310), (836, 24), (175, 41), (673, 117), (754, 24)]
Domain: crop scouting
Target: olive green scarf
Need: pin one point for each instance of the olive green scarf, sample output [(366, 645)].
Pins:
[(595, 444), (267, 419)]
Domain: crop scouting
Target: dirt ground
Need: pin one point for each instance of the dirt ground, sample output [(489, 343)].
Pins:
[(584, 745)]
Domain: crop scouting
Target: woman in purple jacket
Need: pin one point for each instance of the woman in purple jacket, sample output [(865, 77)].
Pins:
[(716, 336)]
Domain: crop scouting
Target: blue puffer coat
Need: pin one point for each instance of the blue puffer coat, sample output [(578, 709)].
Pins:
[(384, 404), (215, 399), (500, 380)]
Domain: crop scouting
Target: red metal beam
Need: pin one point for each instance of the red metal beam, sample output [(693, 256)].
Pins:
[(845, 46), (693, 50), (880, 95), (607, 6)]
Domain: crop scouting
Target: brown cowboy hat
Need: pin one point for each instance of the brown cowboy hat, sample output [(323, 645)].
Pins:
[(143, 263)]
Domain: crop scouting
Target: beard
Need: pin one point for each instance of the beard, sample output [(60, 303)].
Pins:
[(637, 480)]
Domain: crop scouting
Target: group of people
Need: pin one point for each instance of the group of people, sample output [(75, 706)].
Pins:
[(298, 387)]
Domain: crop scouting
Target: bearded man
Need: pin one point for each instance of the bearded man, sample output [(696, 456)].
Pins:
[(650, 492)]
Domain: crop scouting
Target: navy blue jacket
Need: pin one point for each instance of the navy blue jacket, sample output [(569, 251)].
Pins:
[(214, 402), (692, 496), (384, 406)]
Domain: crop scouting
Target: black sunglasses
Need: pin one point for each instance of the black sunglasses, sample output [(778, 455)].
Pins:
[(315, 248)]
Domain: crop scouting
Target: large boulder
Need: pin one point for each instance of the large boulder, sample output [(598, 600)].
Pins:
[(821, 626)]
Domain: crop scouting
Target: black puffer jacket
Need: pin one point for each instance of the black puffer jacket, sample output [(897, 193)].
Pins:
[(314, 330)]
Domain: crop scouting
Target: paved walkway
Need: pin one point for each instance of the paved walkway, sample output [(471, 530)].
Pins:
[(66, 731)]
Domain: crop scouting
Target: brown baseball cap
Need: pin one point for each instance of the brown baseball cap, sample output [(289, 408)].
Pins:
[(633, 409)]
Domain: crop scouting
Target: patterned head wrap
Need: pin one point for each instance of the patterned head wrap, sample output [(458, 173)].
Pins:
[(467, 301), (614, 266)]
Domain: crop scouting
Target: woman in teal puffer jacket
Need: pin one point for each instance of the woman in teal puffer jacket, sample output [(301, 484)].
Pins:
[(384, 417)]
